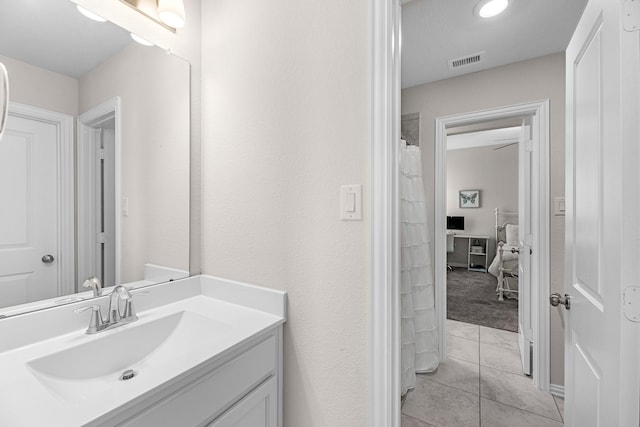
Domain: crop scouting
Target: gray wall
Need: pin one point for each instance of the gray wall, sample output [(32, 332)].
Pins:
[(495, 174), (525, 81), (41, 88)]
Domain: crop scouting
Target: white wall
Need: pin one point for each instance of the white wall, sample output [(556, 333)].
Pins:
[(286, 121), (495, 174), (521, 82), (41, 88), (154, 92)]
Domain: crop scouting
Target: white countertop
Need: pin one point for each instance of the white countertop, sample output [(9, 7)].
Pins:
[(241, 311)]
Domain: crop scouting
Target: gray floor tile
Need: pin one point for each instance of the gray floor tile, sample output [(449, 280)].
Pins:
[(517, 391), (560, 404), (407, 421), (500, 358), (463, 330), (499, 338), (496, 414), (457, 373), (464, 349), (442, 406)]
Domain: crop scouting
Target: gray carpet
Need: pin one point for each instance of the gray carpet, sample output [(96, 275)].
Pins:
[(471, 298)]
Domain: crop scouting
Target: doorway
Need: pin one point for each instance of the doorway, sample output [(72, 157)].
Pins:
[(533, 231), (483, 220), (98, 189)]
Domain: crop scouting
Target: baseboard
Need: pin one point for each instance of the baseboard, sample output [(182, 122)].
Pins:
[(556, 390), (457, 264)]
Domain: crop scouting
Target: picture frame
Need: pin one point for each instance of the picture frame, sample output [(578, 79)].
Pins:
[(469, 198)]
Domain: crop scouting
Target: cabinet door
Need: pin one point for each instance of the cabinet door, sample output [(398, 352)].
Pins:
[(258, 409)]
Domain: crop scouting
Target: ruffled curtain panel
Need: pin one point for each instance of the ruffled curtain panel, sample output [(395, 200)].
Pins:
[(419, 335)]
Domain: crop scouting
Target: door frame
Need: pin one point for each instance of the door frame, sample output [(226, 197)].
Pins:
[(539, 225), (65, 184), (86, 156), (384, 408)]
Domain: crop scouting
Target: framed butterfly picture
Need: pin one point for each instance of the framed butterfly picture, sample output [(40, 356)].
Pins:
[(469, 198)]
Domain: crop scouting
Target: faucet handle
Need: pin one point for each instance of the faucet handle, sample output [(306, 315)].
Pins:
[(129, 310), (95, 284), (95, 323)]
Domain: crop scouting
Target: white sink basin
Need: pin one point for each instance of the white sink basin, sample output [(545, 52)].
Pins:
[(93, 368)]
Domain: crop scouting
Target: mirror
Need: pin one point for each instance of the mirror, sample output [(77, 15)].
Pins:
[(94, 162)]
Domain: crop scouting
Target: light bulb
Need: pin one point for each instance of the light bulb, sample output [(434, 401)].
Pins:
[(171, 12), (90, 14), (140, 40)]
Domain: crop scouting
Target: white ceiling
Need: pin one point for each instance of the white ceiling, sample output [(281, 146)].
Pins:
[(435, 31), (52, 34), (485, 138)]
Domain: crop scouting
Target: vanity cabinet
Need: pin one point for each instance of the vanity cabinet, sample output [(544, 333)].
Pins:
[(242, 390)]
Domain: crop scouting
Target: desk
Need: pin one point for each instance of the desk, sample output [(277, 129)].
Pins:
[(477, 248)]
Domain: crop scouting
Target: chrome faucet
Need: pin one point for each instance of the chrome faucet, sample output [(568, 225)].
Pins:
[(115, 317), (93, 283)]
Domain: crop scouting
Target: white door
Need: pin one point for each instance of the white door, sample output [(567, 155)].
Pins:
[(601, 380), (108, 208), (524, 242), (29, 213), (104, 209)]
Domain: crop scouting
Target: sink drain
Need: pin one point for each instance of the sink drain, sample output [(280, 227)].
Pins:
[(127, 375)]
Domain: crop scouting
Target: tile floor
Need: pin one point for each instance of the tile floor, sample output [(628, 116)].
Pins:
[(481, 384)]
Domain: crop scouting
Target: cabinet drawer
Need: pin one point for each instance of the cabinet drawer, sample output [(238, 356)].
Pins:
[(257, 409), (208, 396)]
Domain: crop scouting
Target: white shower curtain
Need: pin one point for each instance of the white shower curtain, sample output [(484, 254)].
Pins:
[(419, 335)]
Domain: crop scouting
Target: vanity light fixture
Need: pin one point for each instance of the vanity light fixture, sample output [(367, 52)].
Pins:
[(490, 8), (140, 40), (171, 12), (90, 14)]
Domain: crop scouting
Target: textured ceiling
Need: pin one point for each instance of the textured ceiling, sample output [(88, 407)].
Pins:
[(435, 31)]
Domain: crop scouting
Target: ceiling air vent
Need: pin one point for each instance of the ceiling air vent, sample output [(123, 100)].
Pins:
[(466, 60)]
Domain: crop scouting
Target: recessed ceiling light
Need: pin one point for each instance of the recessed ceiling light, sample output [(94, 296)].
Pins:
[(140, 40), (90, 14), (491, 8)]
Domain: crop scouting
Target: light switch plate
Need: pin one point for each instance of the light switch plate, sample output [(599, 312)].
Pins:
[(351, 202), (559, 206)]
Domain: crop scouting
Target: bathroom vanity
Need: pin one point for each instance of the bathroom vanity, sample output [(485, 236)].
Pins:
[(112, 200), (204, 351)]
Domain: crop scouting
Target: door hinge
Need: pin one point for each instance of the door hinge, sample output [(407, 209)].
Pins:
[(631, 16), (101, 153), (631, 303), (528, 144), (100, 238)]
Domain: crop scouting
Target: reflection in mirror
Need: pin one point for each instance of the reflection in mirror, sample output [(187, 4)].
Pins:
[(94, 163)]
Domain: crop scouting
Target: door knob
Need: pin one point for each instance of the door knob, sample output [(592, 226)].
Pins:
[(47, 259), (556, 299)]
